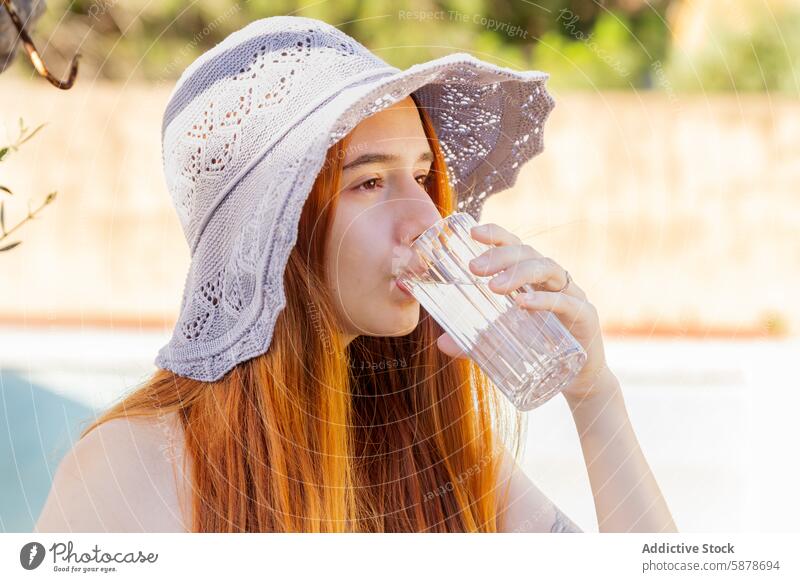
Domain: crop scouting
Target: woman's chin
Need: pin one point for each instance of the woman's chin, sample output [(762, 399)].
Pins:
[(405, 320)]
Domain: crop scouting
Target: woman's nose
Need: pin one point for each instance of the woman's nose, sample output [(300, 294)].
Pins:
[(420, 213)]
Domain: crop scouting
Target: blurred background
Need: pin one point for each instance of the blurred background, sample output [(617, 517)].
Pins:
[(668, 187)]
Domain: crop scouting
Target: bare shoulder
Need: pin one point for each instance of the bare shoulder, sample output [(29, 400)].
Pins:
[(528, 509), (126, 475)]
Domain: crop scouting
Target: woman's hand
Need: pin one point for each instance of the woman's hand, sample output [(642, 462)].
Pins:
[(518, 264)]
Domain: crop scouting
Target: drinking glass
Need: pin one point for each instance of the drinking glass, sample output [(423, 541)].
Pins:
[(529, 355)]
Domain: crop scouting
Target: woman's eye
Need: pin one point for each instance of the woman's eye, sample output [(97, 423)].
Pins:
[(369, 184), (374, 183)]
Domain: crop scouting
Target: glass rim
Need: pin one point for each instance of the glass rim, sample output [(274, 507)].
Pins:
[(429, 232)]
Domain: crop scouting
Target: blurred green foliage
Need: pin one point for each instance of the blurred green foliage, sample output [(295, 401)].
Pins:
[(615, 52), (24, 135), (764, 55), (583, 44)]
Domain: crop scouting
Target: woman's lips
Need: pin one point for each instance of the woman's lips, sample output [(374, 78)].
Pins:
[(405, 260), (402, 287)]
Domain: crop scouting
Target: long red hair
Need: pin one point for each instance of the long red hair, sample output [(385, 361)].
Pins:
[(386, 434)]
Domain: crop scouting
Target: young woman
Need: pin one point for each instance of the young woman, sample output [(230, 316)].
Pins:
[(362, 415)]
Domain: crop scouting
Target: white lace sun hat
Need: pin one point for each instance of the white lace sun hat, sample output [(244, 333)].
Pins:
[(245, 133)]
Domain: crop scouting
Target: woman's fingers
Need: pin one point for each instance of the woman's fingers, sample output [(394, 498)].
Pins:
[(509, 254), (446, 343), (542, 272), (520, 264), (494, 234), (498, 258), (569, 309)]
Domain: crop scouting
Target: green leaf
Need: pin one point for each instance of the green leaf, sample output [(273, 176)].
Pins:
[(3, 153), (32, 134), (11, 246)]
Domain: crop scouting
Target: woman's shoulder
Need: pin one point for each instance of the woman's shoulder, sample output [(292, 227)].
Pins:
[(125, 475), (527, 508)]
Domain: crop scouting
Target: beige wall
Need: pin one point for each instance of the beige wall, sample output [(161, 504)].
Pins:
[(675, 214)]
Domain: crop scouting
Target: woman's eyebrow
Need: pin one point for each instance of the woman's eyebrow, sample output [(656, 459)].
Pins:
[(377, 158)]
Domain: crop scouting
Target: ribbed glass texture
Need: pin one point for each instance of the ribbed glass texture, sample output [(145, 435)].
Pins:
[(529, 355)]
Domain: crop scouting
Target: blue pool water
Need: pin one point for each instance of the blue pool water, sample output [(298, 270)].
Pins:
[(715, 420)]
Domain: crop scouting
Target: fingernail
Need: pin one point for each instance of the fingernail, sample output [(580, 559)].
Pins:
[(530, 298), (479, 262), (501, 279)]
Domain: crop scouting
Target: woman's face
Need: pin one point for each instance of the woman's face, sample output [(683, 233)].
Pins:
[(381, 207)]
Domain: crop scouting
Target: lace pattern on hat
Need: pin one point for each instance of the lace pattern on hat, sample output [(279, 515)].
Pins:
[(234, 289)]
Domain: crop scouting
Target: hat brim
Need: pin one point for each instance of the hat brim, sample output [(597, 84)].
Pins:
[(488, 119)]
